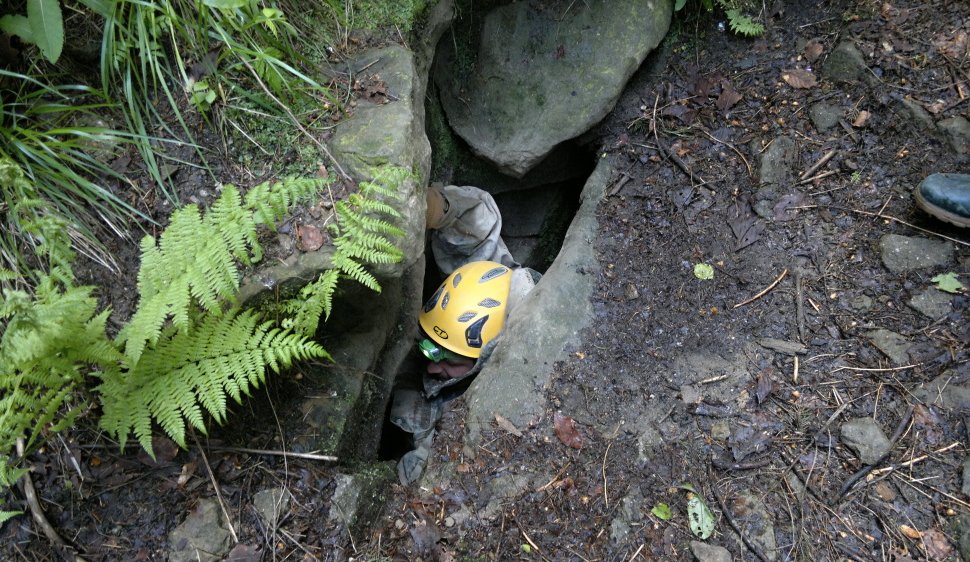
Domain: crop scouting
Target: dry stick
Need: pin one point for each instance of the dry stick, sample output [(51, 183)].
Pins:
[(308, 456), (818, 177), (821, 162), (637, 552), (881, 370), (294, 119), (799, 313), (606, 498), (911, 462), (732, 147), (212, 478), (737, 529), (37, 512), (667, 153), (763, 291), (903, 424)]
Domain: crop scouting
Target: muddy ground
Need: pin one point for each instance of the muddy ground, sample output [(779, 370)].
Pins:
[(675, 382)]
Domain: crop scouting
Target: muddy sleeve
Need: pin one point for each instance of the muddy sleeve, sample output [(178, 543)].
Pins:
[(471, 230)]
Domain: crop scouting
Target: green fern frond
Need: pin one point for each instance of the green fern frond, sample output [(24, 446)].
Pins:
[(743, 24), (194, 260), (361, 234), (185, 375)]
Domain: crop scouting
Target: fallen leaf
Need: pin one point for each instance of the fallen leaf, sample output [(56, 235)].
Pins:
[(910, 532), (813, 50), (704, 272), (955, 46), (244, 553), (861, 119), (508, 426), (784, 209), (799, 78), (662, 511), (747, 440), (765, 386), (164, 448), (938, 547), (566, 431), (729, 96), (188, 469), (948, 282), (310, 237), (700, 518)]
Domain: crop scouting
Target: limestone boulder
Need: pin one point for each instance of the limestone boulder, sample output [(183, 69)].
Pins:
[(535, 74)]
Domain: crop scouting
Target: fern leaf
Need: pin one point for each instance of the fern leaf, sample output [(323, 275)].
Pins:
[(184, 375), (743, 24)]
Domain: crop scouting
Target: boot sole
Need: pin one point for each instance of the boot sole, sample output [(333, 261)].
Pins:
[(942, 214)]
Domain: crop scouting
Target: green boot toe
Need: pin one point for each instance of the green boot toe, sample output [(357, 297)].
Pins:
[(946, 197)]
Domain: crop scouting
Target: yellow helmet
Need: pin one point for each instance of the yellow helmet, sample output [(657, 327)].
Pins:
[(468, 309)]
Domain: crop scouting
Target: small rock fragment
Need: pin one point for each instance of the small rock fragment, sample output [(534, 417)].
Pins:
[(906, 253), (932, 303), (783, 346), (704, 552), (894, 345), (945, 391), (866, 439)]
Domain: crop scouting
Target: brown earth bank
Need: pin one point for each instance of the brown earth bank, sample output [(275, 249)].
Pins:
[(798, 392)]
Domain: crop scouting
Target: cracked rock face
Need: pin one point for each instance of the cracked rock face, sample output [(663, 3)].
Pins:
[(543, 73)]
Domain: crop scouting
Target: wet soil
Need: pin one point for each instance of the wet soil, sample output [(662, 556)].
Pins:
[(674, 383)]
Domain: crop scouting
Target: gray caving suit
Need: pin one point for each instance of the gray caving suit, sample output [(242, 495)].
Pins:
[(469, 231)]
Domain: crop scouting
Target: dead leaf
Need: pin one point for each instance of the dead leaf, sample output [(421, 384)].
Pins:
[(729, 96), (507, 425), (910, 532), (765, 386), (938, 547), (798, 78), (936, 107), (244, 553), (748, 440), (784, 208), (955, 46), (165, 450), (813, 50), (744, 224), (188, 469), (310, 237), (566, 431), (861, 119), (705, 86)]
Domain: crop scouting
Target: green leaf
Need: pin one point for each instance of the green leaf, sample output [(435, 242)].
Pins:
[(48, 26), (100, 7), (700, 517), (703, 271), (948, 282), (225, 4), (679, 5), (17, 25), (662, 511), (5, 515), (526, 548)]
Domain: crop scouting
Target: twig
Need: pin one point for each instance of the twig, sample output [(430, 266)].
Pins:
[(920, 458), (667, 153), (296, 121), (721, 465), (818, 177), (821, 162), (308, 456), (903, 424), (873, 370), (624, 178), (732, 147), (637, 552), (763, 291), (730, 519), (606, 498), (222, 503), (37, 512), (799, 313)]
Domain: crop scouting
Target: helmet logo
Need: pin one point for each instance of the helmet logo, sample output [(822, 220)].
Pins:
[(441, 333)]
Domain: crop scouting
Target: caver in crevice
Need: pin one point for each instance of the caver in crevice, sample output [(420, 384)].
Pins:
[(462, 321)]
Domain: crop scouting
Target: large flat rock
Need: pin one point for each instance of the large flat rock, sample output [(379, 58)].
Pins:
[(543, 73)]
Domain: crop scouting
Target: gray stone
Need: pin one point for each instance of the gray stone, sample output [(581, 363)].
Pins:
[(539, 330), (533, 222), (861, 303), (933, 303), (704, 552), (358, 498), (947, 391), (956, 130), (630, 513), (894, 345), (960, 528), (866, 439), (271, 505), (965, 487), (783, 346), (500, 490), (921, 118), (906, 253), (202, 537), (824, 116), (777, 161), (846, 64), (543, 74), (755, 521)]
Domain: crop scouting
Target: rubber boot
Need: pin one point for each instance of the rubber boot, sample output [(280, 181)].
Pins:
[(946, 197)]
